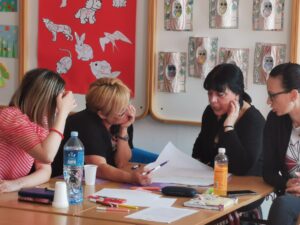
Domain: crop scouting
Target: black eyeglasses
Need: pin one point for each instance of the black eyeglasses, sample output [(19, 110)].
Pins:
[(273, 95)]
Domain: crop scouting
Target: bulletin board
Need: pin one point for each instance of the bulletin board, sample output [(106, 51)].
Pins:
[(188, 107), (9, 54), (28, 57)]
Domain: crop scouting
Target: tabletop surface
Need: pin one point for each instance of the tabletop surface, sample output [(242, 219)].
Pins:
[(87, 210)]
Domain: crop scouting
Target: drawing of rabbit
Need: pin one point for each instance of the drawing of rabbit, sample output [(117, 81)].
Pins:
[(84, 51), (87, 13)]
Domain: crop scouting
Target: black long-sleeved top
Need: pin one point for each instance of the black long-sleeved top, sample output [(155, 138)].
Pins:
[(277, 135), (94, 136), (243, 144)]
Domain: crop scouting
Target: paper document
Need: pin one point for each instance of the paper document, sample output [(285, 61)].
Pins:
[(181, 168), (136, 197), (161, 214)]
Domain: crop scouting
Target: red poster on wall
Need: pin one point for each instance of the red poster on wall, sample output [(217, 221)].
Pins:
[(84, 40)]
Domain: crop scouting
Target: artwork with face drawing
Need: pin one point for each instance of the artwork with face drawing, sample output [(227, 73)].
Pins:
[(237, 56), (223, 13), (266, 57), (178, 15), (202, 56), (171, 72), (268, 14), (74, 41)]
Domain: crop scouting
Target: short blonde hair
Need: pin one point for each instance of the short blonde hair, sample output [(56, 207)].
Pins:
[(108, 95)]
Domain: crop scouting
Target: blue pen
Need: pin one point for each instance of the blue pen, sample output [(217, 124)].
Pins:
[(155, 168)]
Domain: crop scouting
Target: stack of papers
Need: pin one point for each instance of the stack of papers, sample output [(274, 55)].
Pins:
[(180, 169), (136, 197), (161, 214)]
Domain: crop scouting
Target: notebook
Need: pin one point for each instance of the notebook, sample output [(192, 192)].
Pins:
[(208, 201)]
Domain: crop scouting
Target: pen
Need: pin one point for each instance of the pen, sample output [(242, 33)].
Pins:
[(108, 199), (105, 203), (112, 209), (156, 168)]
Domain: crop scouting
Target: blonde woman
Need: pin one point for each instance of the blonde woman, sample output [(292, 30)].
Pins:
[(31, 129), (105, 129)]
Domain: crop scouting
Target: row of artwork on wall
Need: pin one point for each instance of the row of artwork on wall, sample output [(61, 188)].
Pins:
[(8, 40), (224, 14), (173, 67)]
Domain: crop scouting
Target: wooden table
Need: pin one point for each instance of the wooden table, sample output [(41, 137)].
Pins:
[(21, 217), (87, 209)]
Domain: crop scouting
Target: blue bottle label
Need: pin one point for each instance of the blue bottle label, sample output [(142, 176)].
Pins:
[(73, 158)]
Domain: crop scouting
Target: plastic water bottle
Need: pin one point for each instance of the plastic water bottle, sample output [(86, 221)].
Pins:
[(221, 173), (73, 168)]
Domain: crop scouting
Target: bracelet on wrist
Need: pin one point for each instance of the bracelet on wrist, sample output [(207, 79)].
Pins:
[(58, 132), (228, 126), (125, 138)]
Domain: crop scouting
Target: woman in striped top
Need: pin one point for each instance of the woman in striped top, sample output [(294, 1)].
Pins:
[(38, 104)]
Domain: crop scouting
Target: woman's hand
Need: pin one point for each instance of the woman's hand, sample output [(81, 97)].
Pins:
[(9, 186), (139, 178), (65, 102), (129, 117), (293, 186), (232, 114)]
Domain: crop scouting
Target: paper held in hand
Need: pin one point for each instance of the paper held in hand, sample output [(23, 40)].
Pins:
[(208, 201), (180, 169)]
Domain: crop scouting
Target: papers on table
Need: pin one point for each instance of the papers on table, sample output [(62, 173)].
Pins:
[(161, 214), (136, 197), (181, 168)]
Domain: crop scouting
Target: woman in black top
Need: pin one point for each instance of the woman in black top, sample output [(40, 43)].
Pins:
[(230, 121), (105, 129), (281, 143)]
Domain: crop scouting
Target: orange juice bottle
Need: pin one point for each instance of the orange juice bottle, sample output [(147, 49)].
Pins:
[(220, 173)]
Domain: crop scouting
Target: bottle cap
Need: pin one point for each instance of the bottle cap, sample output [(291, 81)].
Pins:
[(74, 133), (222, 150)]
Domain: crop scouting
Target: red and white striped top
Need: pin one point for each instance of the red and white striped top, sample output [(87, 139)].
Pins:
[(18, 135)]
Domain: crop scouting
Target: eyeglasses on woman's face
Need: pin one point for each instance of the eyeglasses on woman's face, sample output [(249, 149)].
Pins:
[(272, 96)]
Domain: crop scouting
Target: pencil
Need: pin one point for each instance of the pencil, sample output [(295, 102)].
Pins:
[(128, 206), (112, 209)]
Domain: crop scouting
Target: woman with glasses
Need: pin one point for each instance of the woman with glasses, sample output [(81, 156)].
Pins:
[(230, 121), (105, 129), (281, 142)]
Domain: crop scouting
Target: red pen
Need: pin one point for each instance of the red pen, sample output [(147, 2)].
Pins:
[(108, 199), (105, 203)]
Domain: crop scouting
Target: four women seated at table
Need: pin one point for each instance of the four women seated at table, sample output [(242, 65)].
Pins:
[(31, 131)]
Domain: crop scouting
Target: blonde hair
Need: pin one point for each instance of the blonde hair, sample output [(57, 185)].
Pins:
[(108, 95), (36, 96)]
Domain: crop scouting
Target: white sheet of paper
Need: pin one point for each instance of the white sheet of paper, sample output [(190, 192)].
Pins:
[(136, 197), (161, 214), (181, 168)]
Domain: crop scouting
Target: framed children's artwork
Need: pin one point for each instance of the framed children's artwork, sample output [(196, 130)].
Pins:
[(9, 49), (231, 31), (86, 40)]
